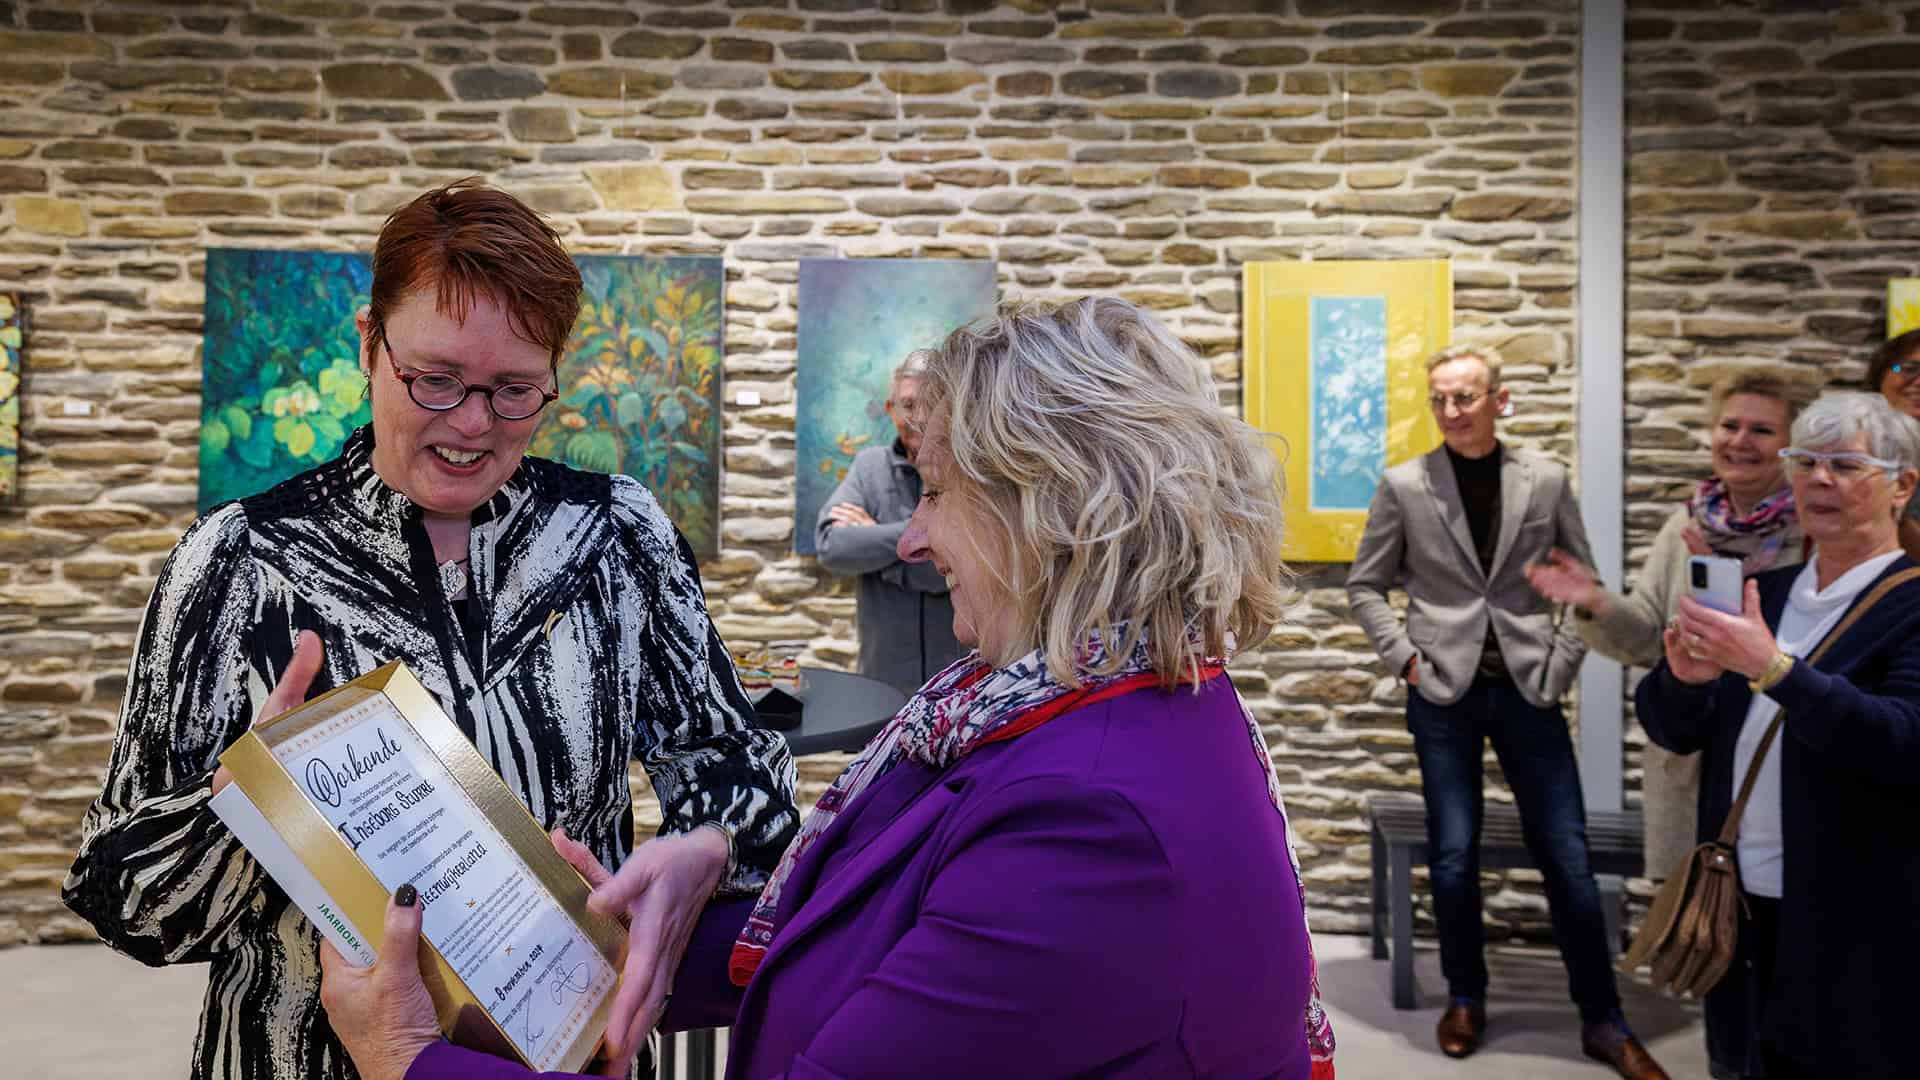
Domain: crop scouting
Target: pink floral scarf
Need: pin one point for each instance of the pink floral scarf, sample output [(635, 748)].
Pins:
[(1758, 537)]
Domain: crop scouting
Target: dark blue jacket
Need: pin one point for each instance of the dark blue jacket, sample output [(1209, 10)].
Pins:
[(1845, 1000)]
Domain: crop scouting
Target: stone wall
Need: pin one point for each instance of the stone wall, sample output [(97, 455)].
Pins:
[(1774, 156), (1144, 147)]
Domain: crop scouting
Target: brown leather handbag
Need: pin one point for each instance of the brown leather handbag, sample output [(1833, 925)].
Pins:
[(1689, 932)]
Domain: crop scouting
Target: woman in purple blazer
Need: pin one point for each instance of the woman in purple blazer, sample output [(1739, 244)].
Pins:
[(1066, 856)]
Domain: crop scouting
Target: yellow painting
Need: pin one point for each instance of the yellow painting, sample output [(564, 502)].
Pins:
[(1903, 305), (1335, 372)]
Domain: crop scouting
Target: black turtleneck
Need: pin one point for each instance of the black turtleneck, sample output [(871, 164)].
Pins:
[(1479, 480)]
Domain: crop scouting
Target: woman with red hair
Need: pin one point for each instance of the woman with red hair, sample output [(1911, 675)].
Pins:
[(556, 614)]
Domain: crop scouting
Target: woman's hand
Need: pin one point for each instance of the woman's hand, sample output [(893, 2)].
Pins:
[(582, 861), (662, 890), (1683, 663), (1741, 643), (1561, 578), (291, 690), (382, 1014)]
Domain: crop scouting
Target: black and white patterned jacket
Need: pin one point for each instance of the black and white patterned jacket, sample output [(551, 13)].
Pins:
[(590, 646)]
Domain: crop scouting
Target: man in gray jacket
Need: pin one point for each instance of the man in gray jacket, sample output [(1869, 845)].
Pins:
[(1486, 661), (904, 616)]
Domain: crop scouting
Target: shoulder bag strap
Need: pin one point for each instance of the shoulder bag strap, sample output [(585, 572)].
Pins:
[(1730, 831)]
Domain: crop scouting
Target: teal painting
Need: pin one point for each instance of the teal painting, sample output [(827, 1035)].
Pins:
[(639, 381), (640, 385), (281, 388), (859, 318), (12, 330)]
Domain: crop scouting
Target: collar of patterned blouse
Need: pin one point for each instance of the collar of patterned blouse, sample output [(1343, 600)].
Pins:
[(341, 531)]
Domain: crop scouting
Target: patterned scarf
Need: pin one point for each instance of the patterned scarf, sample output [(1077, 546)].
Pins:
[(970, 705), (1757, 538)]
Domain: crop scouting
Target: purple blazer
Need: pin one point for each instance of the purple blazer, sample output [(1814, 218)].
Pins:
[(1108, 895)]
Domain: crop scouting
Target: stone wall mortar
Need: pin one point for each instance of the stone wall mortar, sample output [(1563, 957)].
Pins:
[(1142, 147)]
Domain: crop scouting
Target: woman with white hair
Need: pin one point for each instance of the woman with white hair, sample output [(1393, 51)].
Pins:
[(1828, 857), (1066, 856)]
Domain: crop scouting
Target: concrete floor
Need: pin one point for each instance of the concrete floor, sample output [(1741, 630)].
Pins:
[(81, 1012)]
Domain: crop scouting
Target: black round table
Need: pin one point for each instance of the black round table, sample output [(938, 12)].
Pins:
[(841, 711)]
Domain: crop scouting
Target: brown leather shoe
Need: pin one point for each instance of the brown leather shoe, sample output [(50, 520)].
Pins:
[(1614, 1045), (1460, 1027)]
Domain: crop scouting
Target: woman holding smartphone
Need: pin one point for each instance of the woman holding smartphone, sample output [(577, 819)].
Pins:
[(1745, 510), (1821, 982)]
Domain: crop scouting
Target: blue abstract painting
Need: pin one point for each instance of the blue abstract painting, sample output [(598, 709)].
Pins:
[(859, 318), (1349, 387)]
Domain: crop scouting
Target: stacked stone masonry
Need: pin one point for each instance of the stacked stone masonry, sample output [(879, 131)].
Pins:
[(1146, 148)]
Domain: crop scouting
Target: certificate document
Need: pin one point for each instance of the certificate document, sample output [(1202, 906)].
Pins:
[(372, 786)]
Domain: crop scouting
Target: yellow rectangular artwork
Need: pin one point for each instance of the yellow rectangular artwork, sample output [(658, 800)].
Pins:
[(1335, 372), (1903, 305)]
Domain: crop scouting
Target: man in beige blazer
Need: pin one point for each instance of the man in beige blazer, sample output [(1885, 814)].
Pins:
[(1486, 660)]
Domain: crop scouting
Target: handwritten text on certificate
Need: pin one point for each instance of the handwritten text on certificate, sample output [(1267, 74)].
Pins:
[(373, 778)]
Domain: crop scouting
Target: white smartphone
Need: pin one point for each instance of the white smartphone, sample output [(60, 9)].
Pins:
[(1714, 580)]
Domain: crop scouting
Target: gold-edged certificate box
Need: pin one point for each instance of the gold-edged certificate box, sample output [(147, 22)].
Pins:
[(370, 786)]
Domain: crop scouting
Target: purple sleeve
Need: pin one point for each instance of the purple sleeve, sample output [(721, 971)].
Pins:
[(1051, 897), (703, 996), (445, 1061)]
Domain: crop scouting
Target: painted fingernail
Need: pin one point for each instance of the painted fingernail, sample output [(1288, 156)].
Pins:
[(406, 895)]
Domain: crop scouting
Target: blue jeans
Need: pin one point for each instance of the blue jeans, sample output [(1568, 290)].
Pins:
[(1536, 755)]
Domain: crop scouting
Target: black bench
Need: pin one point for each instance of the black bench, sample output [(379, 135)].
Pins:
[(1398, 828)]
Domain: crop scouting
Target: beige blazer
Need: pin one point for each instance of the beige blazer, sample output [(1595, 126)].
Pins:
[(1417, 538)]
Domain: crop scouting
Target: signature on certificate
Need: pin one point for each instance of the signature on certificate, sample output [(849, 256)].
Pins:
[(530, 1036), (578, 980)]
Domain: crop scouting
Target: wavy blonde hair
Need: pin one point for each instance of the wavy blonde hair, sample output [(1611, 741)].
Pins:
[(1086, 447)]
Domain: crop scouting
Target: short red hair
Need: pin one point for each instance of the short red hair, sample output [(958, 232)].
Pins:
[(468, 240)]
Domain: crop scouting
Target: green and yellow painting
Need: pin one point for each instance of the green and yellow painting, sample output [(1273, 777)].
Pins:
[(640, 384), (281, 387), (12, 325), (859, 318)]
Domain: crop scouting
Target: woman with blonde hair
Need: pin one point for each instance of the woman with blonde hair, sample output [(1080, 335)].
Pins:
[(1066, 856), (1743, 510)]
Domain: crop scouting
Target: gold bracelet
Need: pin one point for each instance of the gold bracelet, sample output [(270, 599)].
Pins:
[(1777, 669)]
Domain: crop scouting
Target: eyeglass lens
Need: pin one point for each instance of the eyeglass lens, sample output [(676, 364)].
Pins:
[(514, 401), (1841, 465), (441, 392)]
